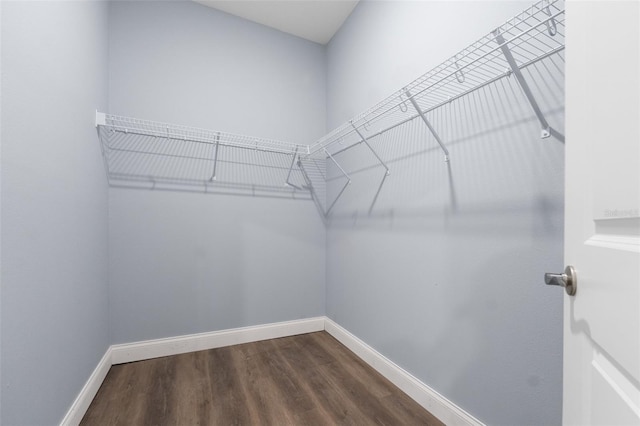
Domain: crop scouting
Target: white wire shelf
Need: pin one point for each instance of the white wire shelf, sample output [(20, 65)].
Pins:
[(129, 125), (154, 155), (531, 36)]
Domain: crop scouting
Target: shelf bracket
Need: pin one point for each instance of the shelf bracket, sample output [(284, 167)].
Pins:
[(215, 158), (429, 126), (343, 188), (309, 186), (101, 118), (366, 142), (293, 161), (515, 69), (314, 194)]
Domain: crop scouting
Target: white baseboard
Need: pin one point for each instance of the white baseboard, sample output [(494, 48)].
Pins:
[(436, 404), (88, 392), (445, 410), (138, 351)]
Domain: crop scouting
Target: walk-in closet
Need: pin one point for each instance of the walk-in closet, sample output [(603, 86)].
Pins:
[(317, 212)]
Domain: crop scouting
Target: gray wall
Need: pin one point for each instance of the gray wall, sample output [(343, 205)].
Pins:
[(184, 263), (443, 272), (54, 206)]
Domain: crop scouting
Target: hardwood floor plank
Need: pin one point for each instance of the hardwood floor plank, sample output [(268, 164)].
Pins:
[(264, 402), (229, 404), (191, 389), (309, 379), (307, 383), (406, 411), (375, 383), (317, 353), (159, 404), (338, 399)]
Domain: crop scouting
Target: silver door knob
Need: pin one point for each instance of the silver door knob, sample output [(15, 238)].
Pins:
[(568, 280)]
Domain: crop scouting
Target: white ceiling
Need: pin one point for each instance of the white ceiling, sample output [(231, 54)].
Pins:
[(315, 20)]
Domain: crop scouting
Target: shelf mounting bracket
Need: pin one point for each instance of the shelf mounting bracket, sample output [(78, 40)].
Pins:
[(293, 161), (309, 186), (366, 142), (335, 200), (429, 126), (101, 118), (515, 69), (314, 195), (215, 158)]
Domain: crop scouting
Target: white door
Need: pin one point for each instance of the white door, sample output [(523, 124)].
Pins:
[(602, 217)]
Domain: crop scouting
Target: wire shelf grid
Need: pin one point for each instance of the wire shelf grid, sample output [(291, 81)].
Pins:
[(531, 36), (129, 125), (151, 154)]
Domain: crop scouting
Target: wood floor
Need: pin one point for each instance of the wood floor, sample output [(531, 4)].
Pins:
[(309, 379)]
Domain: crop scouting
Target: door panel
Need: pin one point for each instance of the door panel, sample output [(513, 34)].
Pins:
[(602, 213)]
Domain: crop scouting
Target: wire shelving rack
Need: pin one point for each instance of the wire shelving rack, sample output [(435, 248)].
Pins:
[(532, 36), (150, 154), (154, 155)]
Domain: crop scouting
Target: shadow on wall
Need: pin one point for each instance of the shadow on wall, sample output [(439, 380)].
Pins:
[(489, 331), (498, 164), (439, 265), (144, 155)]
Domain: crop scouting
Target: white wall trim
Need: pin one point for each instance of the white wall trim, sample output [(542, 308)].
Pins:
[(138, 351), (88, 392), (445, 410), (439, 406), (129, 352)]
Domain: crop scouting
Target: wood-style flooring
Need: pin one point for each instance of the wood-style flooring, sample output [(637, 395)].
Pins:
[(310, 379)]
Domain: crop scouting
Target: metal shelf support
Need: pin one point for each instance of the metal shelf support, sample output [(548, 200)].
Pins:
[(309, 186), (429, 126), (366, 142), (215, 158), (515, 69), (343, 188), (293, 161)]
